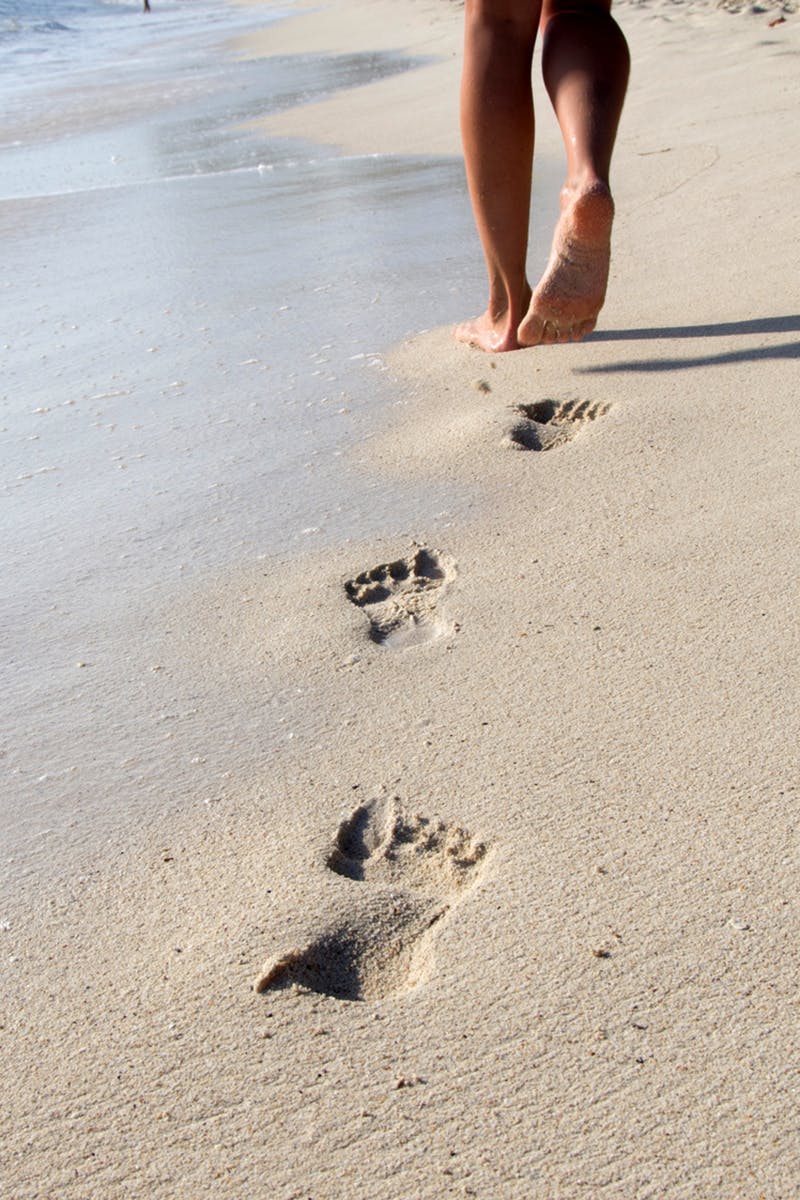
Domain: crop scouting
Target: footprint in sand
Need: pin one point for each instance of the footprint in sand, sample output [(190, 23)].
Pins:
[(400, 598), (548, 423), (415, 869), (380, 843)]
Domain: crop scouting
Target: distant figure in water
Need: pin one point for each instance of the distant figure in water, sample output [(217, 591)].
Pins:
[(147, 5), (585, 64)]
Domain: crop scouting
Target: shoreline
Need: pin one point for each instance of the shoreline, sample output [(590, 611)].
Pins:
[(155, 378), (596, 687)]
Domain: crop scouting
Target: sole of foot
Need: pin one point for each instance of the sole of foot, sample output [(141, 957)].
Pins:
[(570, 294)]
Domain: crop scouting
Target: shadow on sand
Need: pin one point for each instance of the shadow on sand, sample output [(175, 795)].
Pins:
[(760, 325)]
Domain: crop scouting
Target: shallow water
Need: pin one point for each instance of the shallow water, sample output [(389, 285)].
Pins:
[(192, 325), (193, 321)]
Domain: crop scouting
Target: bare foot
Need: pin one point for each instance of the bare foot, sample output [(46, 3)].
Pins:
[(571, 292), (484, 333), (496, 330)]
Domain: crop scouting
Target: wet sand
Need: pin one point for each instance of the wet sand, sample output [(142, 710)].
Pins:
[(486, 883), (188, 356)]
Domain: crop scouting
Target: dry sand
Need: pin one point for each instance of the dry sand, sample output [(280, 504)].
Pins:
[(536, 845)]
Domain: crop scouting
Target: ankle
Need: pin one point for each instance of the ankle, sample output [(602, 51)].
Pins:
[(505, 307), (586, 183)]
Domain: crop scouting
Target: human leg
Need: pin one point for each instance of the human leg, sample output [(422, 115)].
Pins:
[(585, 64), (497, 130)]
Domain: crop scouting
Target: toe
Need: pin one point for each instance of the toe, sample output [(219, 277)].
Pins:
[(549, 334), (583, 328), (467, 333), (530, 331), (577, 331)]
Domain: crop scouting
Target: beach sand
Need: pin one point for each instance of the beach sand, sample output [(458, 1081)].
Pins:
[(508, 909)]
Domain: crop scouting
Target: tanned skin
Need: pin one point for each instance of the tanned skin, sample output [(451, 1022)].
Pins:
[(585, 65)]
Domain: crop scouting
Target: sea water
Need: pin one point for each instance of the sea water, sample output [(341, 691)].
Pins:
[(192, 326)]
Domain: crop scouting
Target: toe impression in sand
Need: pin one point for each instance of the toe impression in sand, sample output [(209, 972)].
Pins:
[(401, 598), (415, 870), (549, 423)]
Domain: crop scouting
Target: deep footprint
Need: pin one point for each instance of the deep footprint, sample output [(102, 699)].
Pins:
[(400, 598), (548, 423), (416, 868), (382, 951)]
